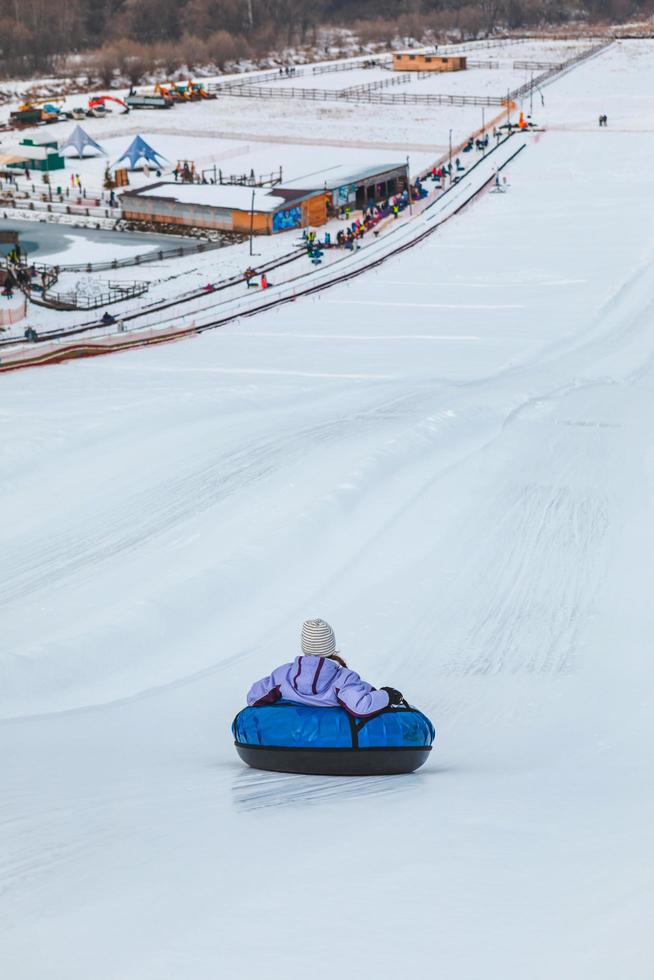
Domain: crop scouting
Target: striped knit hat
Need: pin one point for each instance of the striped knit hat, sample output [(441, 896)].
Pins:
[(318, 638)]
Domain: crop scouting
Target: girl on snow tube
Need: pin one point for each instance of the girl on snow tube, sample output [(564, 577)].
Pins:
[(315, 715)]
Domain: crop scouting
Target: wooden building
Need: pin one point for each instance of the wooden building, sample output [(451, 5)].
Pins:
[(35, 154), (358, 189), (264, 210), (429, 62), (221, 207)]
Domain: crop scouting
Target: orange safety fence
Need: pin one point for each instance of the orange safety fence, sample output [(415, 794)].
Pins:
[(41, 355), (13, 315)]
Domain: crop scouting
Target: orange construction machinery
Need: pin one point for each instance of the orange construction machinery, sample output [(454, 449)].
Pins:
[(38, 111), (98, 106), (183, 91), (168, 91)]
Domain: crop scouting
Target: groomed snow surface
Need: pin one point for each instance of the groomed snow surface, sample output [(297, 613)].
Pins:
[(451, 459)]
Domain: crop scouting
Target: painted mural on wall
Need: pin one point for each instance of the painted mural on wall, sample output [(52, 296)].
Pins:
[(343, 195), (283, 220)]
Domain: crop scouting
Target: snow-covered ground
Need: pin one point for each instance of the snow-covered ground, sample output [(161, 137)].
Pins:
[(450, 458), (334, 80)]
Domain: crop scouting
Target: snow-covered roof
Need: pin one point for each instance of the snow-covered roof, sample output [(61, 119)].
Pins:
[(343, 174), (239, 198), (216, 196), (7, 158), (28, 152)]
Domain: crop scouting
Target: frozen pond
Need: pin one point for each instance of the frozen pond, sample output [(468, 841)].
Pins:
[(45, 241)]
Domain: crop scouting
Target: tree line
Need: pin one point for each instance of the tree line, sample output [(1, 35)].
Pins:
[(135, 36)]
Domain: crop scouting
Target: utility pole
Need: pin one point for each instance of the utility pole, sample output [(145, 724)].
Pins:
[(450, 161), (252, 220), (531, 94)]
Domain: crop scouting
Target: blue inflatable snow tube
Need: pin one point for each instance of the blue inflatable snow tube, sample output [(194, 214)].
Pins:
[(291, 737)]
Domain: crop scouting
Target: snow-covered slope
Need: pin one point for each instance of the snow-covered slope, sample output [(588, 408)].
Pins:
[(452, 460)]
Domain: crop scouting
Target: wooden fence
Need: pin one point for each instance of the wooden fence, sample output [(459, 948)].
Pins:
[(373, 91)]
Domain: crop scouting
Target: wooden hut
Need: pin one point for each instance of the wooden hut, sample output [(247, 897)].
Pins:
[(406, 61), (225, 207), (237, 208)]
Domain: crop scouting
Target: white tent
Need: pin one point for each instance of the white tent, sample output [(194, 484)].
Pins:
[(79, 140)]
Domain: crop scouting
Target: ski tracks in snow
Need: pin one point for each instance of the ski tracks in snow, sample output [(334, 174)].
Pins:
[(136, 518)]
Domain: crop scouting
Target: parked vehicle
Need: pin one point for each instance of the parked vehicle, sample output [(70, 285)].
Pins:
[(148, 102)]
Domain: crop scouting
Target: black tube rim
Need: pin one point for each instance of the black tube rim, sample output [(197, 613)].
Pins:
[(342, 748)]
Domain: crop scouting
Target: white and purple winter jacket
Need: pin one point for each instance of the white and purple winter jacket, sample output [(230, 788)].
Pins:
[(322, 682)]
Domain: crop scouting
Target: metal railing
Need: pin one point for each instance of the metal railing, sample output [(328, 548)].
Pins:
[(558, 69), (463, 46), (59, 207), (489, 65), (147, 257), (374, 61), (538, 65), (411, 98), (146, 312), (117, 292), (258, 79), (515, 65), (261, 92), (365, 93), (401, 79)]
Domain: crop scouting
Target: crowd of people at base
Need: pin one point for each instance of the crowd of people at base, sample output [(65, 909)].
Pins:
[(355, 230), (375, 212)]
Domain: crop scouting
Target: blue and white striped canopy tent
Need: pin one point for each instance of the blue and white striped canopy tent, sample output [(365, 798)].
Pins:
[(140, 152)]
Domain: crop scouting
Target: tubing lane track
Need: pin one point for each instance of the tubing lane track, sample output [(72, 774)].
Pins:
[(118, 343)]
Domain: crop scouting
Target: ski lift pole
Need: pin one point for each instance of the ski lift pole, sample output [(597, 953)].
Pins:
[(408, 186)]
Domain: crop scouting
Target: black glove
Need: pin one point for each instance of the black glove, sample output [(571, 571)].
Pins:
[(394, 697)]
